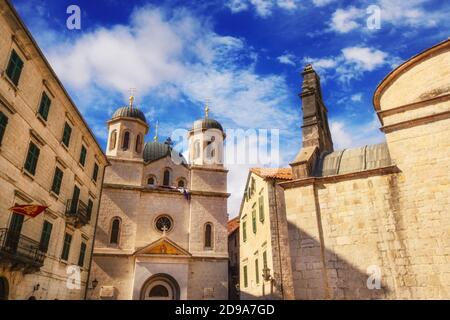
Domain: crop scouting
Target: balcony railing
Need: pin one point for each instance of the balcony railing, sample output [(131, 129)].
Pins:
[(77, 213), (20, 251)]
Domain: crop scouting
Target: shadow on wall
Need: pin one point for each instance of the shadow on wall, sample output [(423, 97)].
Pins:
[(320, 273)]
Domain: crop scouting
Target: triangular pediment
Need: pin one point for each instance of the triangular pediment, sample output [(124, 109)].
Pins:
[(163, 246)]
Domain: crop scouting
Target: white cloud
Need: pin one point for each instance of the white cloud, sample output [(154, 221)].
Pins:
[(357, 97), (349, 135), (344, 20), (397, 13), (351, 63), (263, 8), (366, 59), (287, 59), (321, 3)]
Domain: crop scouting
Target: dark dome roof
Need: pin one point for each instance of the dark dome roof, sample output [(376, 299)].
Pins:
[(207, 123), (130, 113), (157, 150)]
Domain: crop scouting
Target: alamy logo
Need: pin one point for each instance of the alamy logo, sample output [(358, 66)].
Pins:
[(374, 279), (74, 277), (74, 20)]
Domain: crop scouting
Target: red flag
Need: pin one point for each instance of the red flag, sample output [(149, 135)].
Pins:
[(29, 210)]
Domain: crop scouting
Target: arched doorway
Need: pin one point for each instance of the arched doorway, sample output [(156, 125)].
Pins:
[(160, 287), (4, 288)]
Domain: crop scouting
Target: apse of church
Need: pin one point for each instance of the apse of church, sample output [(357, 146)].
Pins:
[(162, 229)]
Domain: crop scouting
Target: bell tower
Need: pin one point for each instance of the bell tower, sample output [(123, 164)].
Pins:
[(206, 140), (315, 130), (126, 131)]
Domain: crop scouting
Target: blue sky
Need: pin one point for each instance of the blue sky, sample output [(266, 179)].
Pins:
[(245, 56)]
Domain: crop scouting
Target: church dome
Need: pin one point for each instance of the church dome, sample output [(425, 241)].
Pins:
[(207, 123), (156, 150), (129, 112)]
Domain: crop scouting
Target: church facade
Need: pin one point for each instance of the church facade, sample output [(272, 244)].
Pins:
[(162, 229), (371, 222)]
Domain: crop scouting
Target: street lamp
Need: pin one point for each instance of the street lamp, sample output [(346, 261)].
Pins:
[(94, 283), (266, 274)]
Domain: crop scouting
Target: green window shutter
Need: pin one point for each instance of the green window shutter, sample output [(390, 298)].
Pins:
[(265, 259), (66, 247), (89, 208), (95, 172), (82, 254), (244, 231), (57, 180), (14, 68), (256, 270), (261, 208), (44, 107), (66, 135), (254, 221), (45, 236), (83, 155), (32, 158), (3, 124), (245, 277)]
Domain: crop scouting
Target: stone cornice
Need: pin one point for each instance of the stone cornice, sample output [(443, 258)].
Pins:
[(341, 177), (164, 191), (197, 167), (415, 122)]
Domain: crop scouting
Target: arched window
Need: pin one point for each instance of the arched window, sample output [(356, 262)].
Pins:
[(115, 231), (159, 291), (151, 181), (112, 140), (166, 181), (208, 236), (138, 143), (4, 288), (181, 183), (196, 149), (210, 148), (126, 140)]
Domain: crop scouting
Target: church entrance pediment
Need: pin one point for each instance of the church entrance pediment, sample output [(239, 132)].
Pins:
[(163, 246)]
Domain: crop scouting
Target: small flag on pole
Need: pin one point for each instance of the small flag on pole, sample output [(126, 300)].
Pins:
[(29, 210)]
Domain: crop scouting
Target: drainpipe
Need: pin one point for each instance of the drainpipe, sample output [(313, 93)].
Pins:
[(278, 237), (93, 238)]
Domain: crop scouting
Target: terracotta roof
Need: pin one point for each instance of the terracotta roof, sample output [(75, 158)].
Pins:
[(233, 225), (273, 173)]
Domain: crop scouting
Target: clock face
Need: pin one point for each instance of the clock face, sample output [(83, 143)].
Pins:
[(163, 223)]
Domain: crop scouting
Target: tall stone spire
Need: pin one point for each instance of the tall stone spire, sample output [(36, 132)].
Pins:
[(315, 128)]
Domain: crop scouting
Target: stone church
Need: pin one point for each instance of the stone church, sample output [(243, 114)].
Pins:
[(371, 222), (162, 227)]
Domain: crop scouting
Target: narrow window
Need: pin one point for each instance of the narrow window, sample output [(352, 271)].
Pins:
[(196, 149), (89, 209), (83, 156), (45, 236), (44, 106), (115, 230), (261, 208), (265, 259), (95, 172), (74, 201), (166, 181), (256, 271), (126, 141), (13, 235), (151, 181), (14, 68), (244, 231), (66, 134), (208, 236), (57, 180), (112, 140), (32, 158), (66, 246), (3, 124), (254, 221), (138, 143), (82, 254), (245, 277)]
